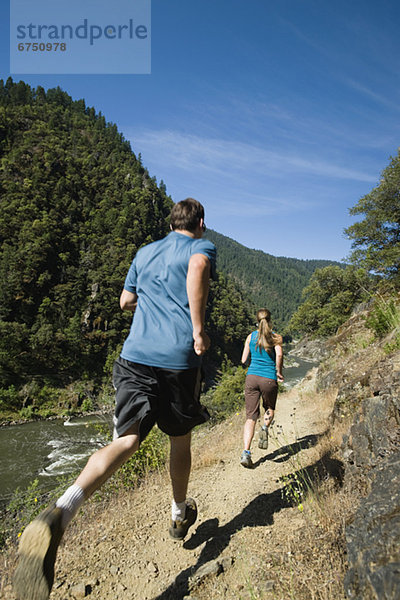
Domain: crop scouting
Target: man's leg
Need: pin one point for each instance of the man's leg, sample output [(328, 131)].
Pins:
[(100, 466), (103, 463), (184, 510), (180, 463)]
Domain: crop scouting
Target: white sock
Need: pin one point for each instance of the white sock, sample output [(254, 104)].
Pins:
[(70, 502), (178, 510)]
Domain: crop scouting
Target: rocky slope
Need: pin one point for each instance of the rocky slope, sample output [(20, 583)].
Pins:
[(368, 388)]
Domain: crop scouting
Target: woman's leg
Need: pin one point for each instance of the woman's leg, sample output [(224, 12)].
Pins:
[(269, 392), (252, 400), (268, 416), (248, 433)]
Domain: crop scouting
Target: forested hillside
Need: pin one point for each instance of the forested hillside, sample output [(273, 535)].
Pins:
[(275, 282), (76, 205)]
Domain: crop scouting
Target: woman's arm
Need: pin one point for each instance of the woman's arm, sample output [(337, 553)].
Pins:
[(246, 349), (279, 362)]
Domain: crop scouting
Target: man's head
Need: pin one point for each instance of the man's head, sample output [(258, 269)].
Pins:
[(187, 215)]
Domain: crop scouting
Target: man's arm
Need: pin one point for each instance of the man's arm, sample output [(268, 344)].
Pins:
[(197, 284), (128, 301)]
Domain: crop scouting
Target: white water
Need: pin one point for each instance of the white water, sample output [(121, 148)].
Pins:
[(45, 450)]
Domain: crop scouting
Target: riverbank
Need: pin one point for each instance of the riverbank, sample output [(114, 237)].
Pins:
[(57, 416), (53, 403)]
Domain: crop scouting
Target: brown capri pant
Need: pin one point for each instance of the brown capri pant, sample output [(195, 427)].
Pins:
[(255, 387)]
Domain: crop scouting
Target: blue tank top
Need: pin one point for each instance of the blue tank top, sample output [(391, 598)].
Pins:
[(262, 363)]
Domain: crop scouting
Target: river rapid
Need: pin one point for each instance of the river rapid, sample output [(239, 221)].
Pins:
[(46, 450)]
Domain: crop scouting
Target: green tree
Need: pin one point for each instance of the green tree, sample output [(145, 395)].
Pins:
[(329, 299), (376, 239), (228, 322)]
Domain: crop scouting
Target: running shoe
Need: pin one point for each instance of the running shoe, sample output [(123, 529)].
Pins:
[(245, 460), (263, 438), (179, 528), (34, 575)]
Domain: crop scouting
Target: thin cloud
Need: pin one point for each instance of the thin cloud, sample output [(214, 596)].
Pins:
[(356, 85), (258, 205), (227, 158), (289, 126)]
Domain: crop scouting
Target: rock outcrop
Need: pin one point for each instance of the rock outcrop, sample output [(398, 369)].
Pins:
[(368, 387), (373, 539), (313, 350), (372, 457)]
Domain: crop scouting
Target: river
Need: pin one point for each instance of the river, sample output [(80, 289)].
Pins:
[(49, 449)]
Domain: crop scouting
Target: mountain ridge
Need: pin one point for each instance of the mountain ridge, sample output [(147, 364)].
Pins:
[(267, 280)]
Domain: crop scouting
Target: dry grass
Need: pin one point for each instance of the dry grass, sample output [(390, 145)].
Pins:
[(211, 445), (308, 563), (301, 558)]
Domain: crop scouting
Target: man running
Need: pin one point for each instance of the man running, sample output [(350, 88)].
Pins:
[(157, 380)]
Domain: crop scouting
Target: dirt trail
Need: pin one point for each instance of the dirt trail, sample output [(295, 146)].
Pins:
[(125, 553)]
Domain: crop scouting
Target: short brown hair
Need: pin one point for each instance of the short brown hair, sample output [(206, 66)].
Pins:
[(186, 214)]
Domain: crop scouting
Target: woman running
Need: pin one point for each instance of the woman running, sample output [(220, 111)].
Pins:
[(264, 372)]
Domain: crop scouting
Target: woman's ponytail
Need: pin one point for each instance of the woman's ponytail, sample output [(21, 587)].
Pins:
[(267, 339)]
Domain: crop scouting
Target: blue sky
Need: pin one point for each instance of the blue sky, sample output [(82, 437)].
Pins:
[(277, 116)]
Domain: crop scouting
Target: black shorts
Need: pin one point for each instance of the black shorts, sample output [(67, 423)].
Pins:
[(148, 395)]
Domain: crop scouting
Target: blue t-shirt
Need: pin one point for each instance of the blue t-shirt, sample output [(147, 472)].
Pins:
[(161, 333), (262, 363)]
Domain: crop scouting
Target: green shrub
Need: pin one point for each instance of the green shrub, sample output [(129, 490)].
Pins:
[(46, 412), (151, 456), (26, 504), (9, 398), (384, 317), (227, 396), (87, 405), (22, 508), (393, 345), (26, 412)]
